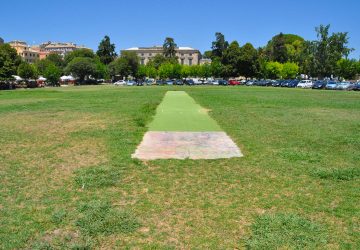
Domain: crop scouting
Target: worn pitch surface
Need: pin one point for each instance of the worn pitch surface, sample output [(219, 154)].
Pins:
[(182, 129)]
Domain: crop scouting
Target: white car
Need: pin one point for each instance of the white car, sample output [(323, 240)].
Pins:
[(305, 84), (344, 86), (120, 83), (130, 83)]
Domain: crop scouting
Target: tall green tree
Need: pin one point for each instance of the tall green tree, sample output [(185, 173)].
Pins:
[(248, 61), (347, 69), (126, 65), (52, 74), (169, 47), (157, 61), (78, 53), (273, 70), (106, 51), (57, 59), (231, 59), (218, 46), (289, 70), (9, 61), (27, 71), (81, 67), (328, 50)]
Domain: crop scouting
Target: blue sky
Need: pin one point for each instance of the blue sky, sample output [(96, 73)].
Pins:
[(191, 22)]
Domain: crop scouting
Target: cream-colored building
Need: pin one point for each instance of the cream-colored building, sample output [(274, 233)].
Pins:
[(26, 52), (59, 48), (185, 55)]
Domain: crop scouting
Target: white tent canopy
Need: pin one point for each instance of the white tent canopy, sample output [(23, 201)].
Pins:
[(17, 78), (67, 78), (41, 78)]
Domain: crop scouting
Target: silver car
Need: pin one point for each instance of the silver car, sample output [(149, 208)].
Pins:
[(344, 86)]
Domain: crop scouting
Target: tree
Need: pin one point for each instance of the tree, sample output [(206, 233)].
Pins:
[(52, 74), (81, 67), (248, 61), (185, 71), (328, 50), (79, 53), (273, 70), (141, 72), (166, 71), (347, 69), (157, 61), (231, 59), (9, 61), (216, 68), (126, 65), (106, 51), (205, 71), (219, 45), (41, 66), (56, 59), (207, 54), (289, 70), (27, 71), (169, 47)]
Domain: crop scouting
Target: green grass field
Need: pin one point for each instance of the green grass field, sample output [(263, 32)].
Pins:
[(68, 181)]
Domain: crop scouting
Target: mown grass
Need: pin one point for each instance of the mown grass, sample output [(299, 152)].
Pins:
[(68, 181)]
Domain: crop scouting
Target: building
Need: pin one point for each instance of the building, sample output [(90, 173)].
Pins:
[(186, 55), (1, 41), (205, 61), (59, 48), (26, 52)]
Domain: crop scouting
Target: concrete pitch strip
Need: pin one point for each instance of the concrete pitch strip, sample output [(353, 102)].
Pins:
[(182, 129)]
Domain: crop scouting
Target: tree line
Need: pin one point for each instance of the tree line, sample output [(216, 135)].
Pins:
[(284, 56)]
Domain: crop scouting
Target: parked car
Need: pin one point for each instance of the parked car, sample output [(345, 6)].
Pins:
[(264, 83), (277, 83), (130, 83), (286, 83), (331, 85), (223, 82), (139, 83), (189, 82), (215, 82), (150, 81), (305, 84), (319, 85), (357, 86), (178, 82), (169, 82), (344, 86), (120, 83), (293, 83), (234, 82), (250, 83)]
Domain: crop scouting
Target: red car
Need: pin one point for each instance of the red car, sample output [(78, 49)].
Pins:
[(234, 82)]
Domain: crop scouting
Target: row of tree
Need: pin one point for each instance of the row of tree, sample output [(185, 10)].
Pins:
[(325, 57)]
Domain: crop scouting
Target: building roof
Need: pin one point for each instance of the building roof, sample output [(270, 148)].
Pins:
[(157, 48)]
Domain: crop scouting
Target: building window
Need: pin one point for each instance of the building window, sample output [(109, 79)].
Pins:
[(182, 61), (142, 54), (190, 54), (142, 61), (190, 61), (150, 54)]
